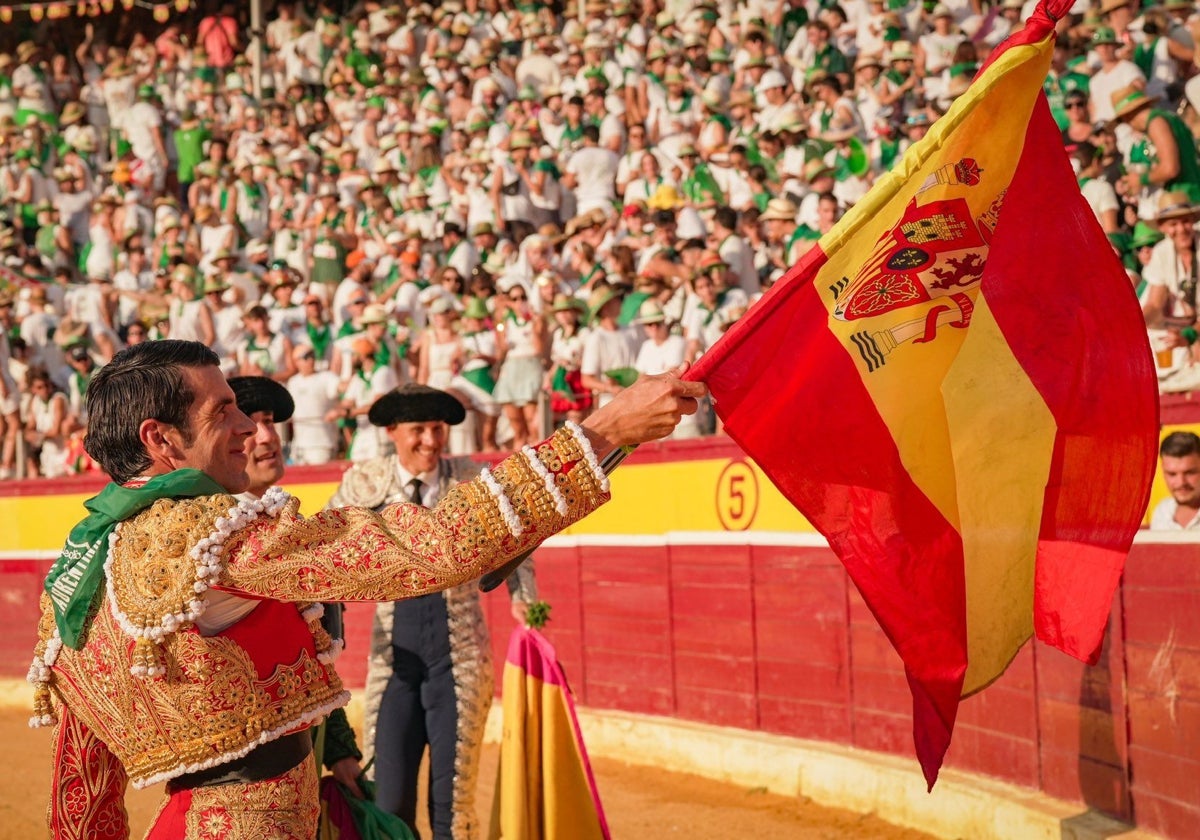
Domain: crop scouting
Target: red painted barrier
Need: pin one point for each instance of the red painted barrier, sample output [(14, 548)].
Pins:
[(772, 638)]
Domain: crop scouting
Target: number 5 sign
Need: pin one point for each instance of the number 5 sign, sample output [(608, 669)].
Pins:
[(737, 496)]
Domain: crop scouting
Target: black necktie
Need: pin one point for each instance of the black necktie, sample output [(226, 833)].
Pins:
[(414, 493)]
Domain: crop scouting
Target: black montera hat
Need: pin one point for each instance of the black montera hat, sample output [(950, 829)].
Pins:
[(261, 393), (414, 403)]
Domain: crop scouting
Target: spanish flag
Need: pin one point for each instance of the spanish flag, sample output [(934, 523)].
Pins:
[(545, 789), (955, 388)]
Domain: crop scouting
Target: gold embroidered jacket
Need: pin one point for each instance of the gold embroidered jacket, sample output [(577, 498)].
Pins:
[(149, 690)]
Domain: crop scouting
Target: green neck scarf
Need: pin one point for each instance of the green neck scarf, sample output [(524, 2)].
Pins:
[(78, 572), (319, 338)]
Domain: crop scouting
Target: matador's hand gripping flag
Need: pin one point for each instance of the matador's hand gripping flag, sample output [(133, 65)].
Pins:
[(954, 387)]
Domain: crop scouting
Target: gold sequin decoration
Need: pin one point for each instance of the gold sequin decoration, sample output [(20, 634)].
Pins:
[(283, 808), (353, 554)]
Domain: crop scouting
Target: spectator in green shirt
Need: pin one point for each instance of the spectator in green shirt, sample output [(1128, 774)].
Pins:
[(190, 138)]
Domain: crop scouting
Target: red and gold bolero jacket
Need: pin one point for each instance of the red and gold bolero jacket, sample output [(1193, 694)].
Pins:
[(150, 698)]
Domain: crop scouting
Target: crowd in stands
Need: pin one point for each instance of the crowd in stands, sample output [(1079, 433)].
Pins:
[(525, 204)]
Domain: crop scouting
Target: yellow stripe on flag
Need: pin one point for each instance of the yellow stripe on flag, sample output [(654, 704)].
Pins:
[(995, 485), (946, 197)]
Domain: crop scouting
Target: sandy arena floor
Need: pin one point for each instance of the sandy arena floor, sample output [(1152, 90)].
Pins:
[(640, 802)]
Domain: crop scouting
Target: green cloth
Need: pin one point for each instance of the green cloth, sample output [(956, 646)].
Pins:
[(367, 67), (830, 59), (700, 186), (1188, 178), (319, 338), (631, 306), (1143, 56), (189, 143), (328, 261), (44, 242), (560, 385), (372, 822), (793, 20), (480, 377), (77, 574), (889, 151), (624, 377), (546, 165)]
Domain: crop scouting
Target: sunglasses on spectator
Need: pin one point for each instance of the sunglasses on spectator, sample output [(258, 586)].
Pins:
[(516, 296), (1077, 104), (306, 357)]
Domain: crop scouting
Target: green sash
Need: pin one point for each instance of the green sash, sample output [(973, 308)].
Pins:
[(78, 572)]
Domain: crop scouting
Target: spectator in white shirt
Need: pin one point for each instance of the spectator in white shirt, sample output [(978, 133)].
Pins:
[(1180, 453)]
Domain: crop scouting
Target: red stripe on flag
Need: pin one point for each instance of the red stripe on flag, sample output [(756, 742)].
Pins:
[(903, 555), (1051, 260)]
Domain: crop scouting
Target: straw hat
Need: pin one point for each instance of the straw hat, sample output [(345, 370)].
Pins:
[(742, 99), (1128, 100), (599, 299), (650, 312), (779, 209), (374, 314), (815, 168), (26, 50), (865, 60), (1175, 204), (72, 113), (214, 285), (901, 51), (567, 303)]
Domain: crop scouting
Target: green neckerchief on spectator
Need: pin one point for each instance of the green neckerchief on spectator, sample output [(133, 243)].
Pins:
[(81, 382), (712, 313), (383, 355), (721, 120), (572, 134), (319, 338), (253, 192), (685, 104), (77, 574)]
